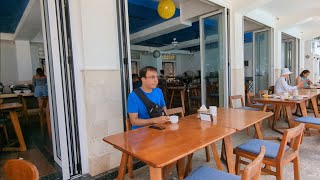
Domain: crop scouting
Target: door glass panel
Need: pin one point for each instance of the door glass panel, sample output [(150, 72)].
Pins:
[(262, 57), (289, 59), (213, 73)]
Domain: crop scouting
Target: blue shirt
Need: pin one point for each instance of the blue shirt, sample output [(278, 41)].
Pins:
[(135, 105)]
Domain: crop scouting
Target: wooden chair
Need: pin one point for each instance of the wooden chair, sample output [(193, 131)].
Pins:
[(3, 120), (17, 169), (311, 123), (277, 155), (251, 171), (239, 97)]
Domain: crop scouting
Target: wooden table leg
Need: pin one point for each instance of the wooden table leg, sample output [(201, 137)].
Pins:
[(182, 100), (216, 156), (229, 154), (171, 99), (123, 165), (17, 129), (189, 165), (181, 168), (315, 106), (156, 173), (258, 130)]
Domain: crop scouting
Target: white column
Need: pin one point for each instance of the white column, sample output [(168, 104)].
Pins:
[(277, 54), (237, 53), (24, 63)]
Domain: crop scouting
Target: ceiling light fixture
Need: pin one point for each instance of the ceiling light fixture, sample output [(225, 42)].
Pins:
[(166, 9)]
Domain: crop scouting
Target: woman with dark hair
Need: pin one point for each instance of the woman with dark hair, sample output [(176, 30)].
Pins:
[(304, 78), (40, 85)]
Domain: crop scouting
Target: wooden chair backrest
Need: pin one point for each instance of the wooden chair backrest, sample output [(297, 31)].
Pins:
[(16, 169), (249, 95), (177, 110), (271, 90), (253, 170), (292, 135), (236, 97), (128, 124)]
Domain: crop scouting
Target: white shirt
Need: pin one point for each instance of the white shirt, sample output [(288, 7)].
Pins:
[(282, 86)]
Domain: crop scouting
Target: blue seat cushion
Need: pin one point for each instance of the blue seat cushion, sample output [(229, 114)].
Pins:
[(309, 120), (206, 173), (253, 146), (261, 104), (248, 108)]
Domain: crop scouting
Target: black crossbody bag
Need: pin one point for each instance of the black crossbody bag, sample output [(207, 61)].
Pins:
[(153, 109)]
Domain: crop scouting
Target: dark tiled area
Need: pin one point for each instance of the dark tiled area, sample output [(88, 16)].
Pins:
[(38, 149)]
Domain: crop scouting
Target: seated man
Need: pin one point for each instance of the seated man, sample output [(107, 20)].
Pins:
[(137, 109)]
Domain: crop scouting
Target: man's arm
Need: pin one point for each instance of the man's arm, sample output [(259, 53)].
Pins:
[(135, 121), (165, 110)]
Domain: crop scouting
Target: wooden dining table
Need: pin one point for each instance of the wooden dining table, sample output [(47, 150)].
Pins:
[(16, 125), (308, 94), (159, 148)]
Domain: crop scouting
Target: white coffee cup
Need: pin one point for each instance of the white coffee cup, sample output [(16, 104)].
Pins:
[(213, 110), (174, 119), (286, 95)]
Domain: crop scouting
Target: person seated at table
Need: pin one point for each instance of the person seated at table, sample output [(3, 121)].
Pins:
[(137, 110), (136, 81), (282, 86), (304, 78)]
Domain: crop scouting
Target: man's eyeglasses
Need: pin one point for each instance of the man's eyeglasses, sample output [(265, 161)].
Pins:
[(152, 77)]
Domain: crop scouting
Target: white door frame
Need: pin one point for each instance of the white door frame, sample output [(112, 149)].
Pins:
[(225, 54)]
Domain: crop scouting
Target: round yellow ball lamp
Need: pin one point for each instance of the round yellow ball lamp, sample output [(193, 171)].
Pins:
[(166, 9)]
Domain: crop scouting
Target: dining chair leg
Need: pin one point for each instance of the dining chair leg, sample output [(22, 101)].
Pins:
[(172, 94), (279, 172), (216, 156), (237, 166), (207, 153), (296, 168), (248, 130), (5, 133), (130, 166)]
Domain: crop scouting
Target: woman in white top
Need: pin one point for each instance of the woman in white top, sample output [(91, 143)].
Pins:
[(282, 86)]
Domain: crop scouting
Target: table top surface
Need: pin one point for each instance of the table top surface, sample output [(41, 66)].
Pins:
[(238, 119), (159, 148), (15, 95), (306, 92), (10, 106)]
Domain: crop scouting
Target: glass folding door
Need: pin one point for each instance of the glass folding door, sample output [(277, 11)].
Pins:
[(261, 56), (214, 74)]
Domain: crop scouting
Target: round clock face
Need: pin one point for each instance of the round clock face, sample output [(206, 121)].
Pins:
[(307, 56), (156, 53)]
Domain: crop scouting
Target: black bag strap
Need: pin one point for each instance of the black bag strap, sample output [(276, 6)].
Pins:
[(146, 101)]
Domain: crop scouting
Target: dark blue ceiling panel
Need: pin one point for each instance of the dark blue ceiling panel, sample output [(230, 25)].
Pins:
[(143, 14), (248, 37), (10, 14)]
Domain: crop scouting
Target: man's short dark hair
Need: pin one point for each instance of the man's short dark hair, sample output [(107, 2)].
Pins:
[(162, 71), (143, 71)]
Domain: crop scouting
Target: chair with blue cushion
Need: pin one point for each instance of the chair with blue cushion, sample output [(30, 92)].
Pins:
[(277, 155), (251, 171), (240, 98), (310, 122)]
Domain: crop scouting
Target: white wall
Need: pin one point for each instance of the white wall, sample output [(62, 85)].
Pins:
[(248, 56), (8, 63), (24, 64), (35, 58)]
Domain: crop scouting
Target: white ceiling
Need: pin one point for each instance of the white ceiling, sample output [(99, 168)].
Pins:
[(30, 24), (250, 25)]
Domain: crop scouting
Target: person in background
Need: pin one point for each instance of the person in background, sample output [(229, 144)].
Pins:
[(136, 81), (162, 76), (304, 78), (40, 85), (137, 110), (282, 86)]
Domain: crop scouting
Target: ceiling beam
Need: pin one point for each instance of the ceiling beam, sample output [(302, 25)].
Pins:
[(160, 29)]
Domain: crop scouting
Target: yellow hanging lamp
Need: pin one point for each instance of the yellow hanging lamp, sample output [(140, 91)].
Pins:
[(166, 9)]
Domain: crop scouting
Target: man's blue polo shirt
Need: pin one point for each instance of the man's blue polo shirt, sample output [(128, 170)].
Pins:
[(135, 105)]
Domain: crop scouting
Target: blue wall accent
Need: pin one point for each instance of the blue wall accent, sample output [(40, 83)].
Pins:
[(10, 14)]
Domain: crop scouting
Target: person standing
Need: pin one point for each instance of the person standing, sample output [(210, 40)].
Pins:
[(40, 85)]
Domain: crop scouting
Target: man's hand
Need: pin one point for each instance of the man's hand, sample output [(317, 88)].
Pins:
[(161, 119)]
